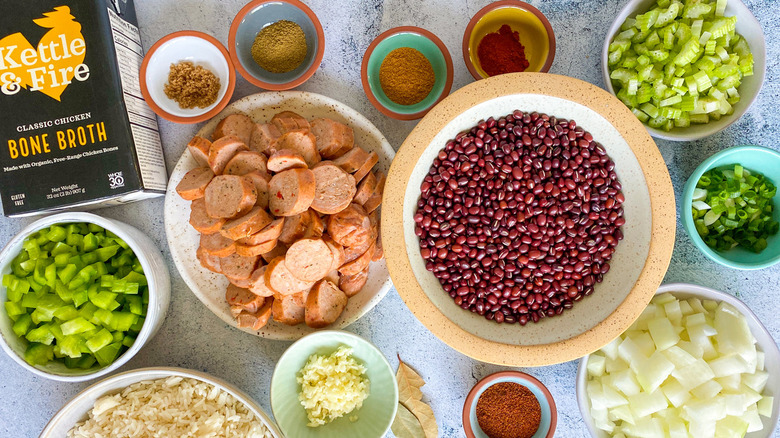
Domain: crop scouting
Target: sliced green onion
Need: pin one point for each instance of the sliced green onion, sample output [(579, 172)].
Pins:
[(734, 207)]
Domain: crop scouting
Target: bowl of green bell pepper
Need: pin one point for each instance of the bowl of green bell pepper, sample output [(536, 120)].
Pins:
[(81, 295)]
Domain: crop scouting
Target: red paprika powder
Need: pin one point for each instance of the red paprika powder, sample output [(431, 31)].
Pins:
[(508, 410), (501, 52)]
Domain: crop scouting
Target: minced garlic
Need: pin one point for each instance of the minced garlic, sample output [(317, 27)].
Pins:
[(332, 386)]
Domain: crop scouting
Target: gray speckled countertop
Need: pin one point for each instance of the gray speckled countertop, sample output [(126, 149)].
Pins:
[(192, 337)]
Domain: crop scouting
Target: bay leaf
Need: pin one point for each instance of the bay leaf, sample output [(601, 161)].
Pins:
[(424, 414), (409, 383), (406, 425)]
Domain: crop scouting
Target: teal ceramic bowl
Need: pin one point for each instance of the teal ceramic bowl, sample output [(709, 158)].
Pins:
[(258, 14), (549, 412), (756, 159), (378, 410), (430, 46)]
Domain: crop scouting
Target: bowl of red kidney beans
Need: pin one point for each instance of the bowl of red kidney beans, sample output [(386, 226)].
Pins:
[(528, 219), (519, 217)]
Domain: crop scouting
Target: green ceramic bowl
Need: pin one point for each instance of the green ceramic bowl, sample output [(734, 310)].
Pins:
[(430, 46), (374, 417), (756, 159)]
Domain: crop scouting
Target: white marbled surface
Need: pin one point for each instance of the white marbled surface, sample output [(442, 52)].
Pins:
[(194, 338)]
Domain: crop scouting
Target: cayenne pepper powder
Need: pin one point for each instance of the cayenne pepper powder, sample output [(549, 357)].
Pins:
[(508, 410), (406, 76), (501, 52)]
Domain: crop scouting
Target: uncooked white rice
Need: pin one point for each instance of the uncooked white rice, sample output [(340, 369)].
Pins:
[(172, 407)]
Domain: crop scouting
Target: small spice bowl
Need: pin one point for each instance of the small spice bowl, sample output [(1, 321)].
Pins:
[(549, 418), (756, 159), (200, 49), (536, 34), (258, 14), (426, 43)]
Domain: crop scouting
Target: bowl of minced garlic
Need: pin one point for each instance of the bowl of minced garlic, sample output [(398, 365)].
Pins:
[(406, 71), (509, 404), (187, 77), (333, 384), (276, 45)]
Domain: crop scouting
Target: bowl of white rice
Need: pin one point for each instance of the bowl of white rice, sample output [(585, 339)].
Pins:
[(161, 402)]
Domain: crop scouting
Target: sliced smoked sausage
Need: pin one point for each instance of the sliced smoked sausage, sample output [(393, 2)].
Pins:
[(352, 160), (260, 181), (270, 232), (376, 198), (365, 169), (336, 250), (350, 227), (263, 138), (244, 226), (248, 301), (208, 261), (255, 250), (287, 121), (334, 139), (284, 159), (199, 149), (334, 189), (287, 310), (309, 259), (365, 189), (281, 280), (223, 150), (291, 192), (315, 226), (295, 227), (352, 284), (360, 263), (228, 196), (193, 184), (256, 320), (239, 125), (302, 142), (257, 283), (217, 245), (245, 162), (324, 304), (238, 267), (279, 251), (201, 221)]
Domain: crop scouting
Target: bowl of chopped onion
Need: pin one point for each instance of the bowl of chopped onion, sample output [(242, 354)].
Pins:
[(686, 68), (697, 362), (730, 207)]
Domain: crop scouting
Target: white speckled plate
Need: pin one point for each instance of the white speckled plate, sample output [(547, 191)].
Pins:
[(183, 239)]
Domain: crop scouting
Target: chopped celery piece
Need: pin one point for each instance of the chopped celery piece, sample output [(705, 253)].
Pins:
[(75, 326), (108, 354), (22, 325), (679, 49), (40, 334)]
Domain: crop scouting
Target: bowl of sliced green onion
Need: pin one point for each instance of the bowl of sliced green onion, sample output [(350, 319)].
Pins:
[(686, 68), (730, 207), (81, 295)]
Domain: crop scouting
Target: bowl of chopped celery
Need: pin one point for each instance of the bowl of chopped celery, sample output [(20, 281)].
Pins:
[(686, 68), (696, 363), (730, 207), (81, 295)]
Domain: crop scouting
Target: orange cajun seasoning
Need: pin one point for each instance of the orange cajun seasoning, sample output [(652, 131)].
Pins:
[(508, 410)]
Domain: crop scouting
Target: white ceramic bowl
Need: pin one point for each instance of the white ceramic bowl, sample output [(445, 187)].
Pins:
[(183, 239), (159, 295), (747, 26), (765, 343), (202, 50), (77, 409)]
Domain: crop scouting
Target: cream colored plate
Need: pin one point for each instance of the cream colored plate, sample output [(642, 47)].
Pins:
[(183, 239), (639, 262)]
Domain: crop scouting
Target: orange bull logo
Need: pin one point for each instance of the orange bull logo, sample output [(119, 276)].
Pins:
[(57, 61)]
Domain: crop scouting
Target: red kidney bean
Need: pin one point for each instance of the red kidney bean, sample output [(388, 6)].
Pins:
[(519, 217)]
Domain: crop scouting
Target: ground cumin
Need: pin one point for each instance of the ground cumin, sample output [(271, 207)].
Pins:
[(280, 47), (191, 86), (406, 76), (508, 410)]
